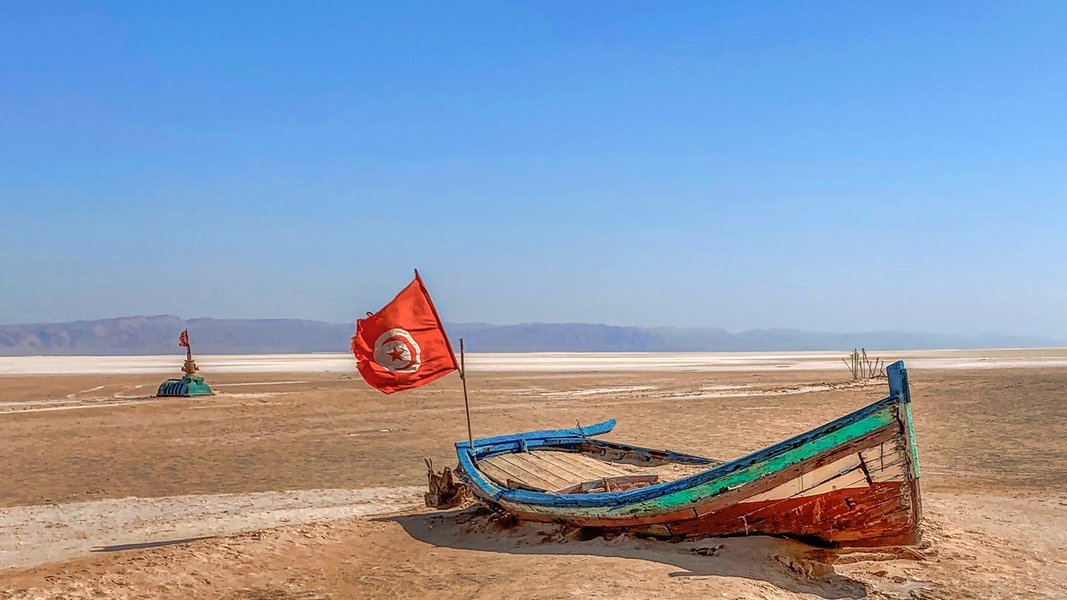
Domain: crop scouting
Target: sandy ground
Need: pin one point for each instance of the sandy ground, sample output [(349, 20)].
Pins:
[(299, 481)]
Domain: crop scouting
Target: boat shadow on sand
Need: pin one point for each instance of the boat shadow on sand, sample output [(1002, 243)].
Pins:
[(787, 564)]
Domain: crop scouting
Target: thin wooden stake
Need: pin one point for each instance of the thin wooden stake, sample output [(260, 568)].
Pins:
[(466, 402)]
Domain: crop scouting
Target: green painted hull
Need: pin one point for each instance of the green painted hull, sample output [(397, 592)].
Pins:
[(187, 386)]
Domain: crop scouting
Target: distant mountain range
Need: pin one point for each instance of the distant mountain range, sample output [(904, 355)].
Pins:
[(159, 335)]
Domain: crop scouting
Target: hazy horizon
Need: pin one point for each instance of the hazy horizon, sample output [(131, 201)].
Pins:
[(826, 167), (979, 334)]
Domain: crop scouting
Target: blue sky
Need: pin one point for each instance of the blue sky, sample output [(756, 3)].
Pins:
[(833, 166)]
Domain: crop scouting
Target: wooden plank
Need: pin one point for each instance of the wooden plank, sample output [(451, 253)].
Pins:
[(894, 472), (498, 475), (510, 471), (545, 469), (888, 461), (551, 480), (518, 485), (853, 479), (813, 483), (582, 468), (886, 453), (597, 466), (807, 480), (564, 469), (534, 471)]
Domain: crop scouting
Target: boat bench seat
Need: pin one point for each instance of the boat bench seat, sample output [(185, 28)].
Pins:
[(560, 472)]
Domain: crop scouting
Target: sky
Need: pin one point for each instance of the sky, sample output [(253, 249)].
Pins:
[(828, 166)]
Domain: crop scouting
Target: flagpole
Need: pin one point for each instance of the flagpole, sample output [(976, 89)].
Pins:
[(466, 403), (462, 362)]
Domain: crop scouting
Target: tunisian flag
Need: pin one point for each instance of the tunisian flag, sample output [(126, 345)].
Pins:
[(403, 345), (183, 339)]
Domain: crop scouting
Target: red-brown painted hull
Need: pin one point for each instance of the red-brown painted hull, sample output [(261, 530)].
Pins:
[(879, 515), (884, 514)]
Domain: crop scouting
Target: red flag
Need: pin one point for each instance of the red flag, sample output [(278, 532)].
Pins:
[(183, 339), (403, 345)]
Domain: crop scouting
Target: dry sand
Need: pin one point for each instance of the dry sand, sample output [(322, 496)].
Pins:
[(298, 481)]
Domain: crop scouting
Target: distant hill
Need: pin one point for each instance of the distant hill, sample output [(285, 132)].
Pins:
[(159, 335), (581, 337)]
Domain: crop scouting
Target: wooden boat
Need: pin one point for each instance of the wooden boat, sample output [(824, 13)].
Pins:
[(851, 482)]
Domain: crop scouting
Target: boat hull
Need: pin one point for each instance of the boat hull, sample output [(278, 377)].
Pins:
[(852, 482), (856, 495)]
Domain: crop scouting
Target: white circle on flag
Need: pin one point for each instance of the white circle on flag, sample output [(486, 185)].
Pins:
[(396, 351)]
